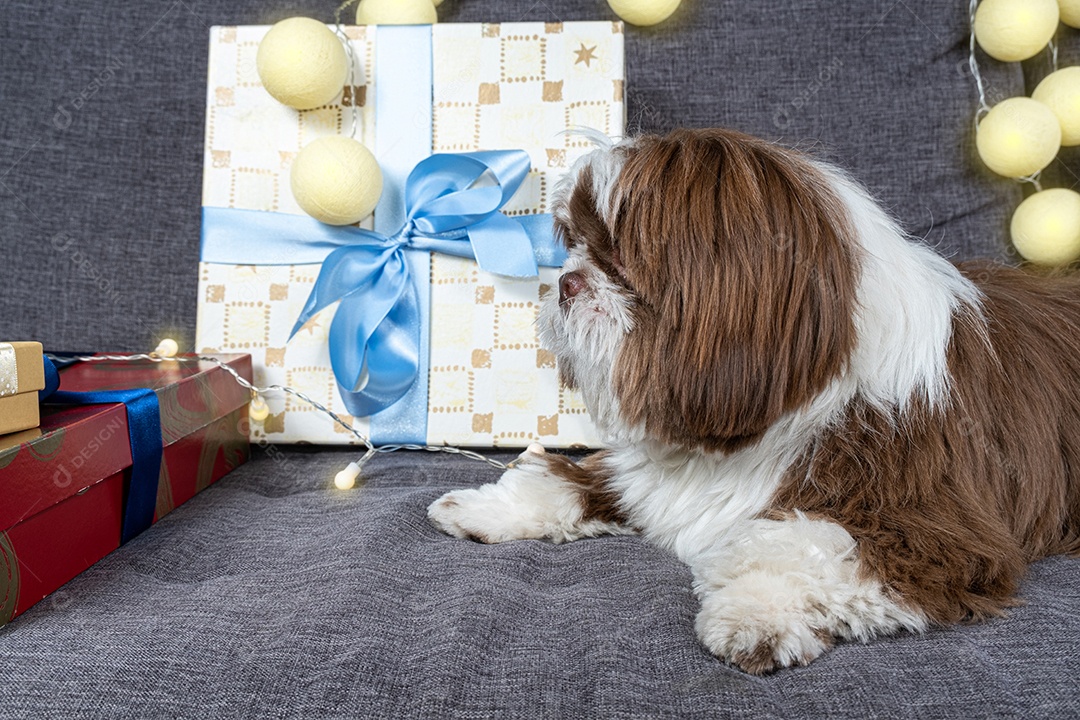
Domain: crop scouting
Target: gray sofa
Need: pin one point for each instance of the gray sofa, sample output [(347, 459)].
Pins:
[(269, 595)]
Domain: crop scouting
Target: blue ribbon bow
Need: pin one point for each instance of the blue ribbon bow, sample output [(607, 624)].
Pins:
[(144, 434), (452, 204)]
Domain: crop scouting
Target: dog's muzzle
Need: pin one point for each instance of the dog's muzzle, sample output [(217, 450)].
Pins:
[(570, 284)]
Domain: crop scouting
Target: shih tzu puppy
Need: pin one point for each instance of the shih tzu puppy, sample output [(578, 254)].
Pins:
[(841, 433)]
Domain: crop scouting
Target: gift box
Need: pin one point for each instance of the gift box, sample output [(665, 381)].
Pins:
[(70, 489), (483, 378), (21, 377)]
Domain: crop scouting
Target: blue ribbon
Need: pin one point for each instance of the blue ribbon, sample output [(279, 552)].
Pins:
[(144, 435), (404, 124), (231, 236), (452, 206)]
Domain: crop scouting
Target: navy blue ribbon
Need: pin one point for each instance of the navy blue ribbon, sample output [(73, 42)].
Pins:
[(144, 434)]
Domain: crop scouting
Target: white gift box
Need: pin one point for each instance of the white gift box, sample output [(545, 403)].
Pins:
[(487, 380)]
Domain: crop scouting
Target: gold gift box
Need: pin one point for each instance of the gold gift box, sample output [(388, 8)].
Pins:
[(22, 375)]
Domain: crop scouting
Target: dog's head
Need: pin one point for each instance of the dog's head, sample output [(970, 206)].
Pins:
[(710, 287)]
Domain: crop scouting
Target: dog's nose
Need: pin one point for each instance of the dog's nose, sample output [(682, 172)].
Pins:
[(570, 284)]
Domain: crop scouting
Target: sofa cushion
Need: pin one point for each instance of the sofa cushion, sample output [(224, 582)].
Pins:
[(272, 595)]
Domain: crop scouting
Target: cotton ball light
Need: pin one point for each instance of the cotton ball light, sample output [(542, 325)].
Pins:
[(336, 180), (1070, 12), (644, 12), (302, 63), (1060, 91), (1046, 227), (396, 12), (1018, 137), (1012, 30)]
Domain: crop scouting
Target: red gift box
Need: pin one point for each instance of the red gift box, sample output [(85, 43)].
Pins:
[(63, 485)]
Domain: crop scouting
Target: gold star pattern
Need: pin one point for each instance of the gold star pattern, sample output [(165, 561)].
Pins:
[(585, 55), (313, 326)]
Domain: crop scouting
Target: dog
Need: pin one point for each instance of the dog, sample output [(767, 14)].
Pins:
[(843, 434)]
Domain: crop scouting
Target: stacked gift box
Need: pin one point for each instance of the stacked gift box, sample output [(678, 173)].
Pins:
[(22, 376), (70, 488)]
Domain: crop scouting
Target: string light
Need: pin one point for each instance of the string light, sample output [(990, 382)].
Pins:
[(258, 410), (1021, 136), (167, 348), (346, 479), (339, 29)]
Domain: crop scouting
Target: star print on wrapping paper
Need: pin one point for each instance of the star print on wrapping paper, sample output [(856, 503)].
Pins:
[(585, 55), (312, 326)]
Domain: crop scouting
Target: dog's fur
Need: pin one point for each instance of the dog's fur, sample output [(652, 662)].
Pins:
[(843, 434)]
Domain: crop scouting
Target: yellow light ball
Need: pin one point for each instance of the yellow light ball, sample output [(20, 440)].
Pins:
[(1060, 91), (396, 12), (1012, 30), (336, 180), (644, 12), (1018, 137), (302, 63), (1070, 12), (1046, 227)]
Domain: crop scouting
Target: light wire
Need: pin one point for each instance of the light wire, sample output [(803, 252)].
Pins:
[(371, 448), (339, 30)]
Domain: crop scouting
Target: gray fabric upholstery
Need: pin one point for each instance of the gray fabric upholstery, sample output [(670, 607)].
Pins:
[(271, 595)]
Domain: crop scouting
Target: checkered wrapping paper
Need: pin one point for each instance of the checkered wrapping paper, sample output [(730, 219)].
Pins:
[(495, 86)]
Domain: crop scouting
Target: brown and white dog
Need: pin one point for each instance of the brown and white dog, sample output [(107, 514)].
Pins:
[(842, 434)]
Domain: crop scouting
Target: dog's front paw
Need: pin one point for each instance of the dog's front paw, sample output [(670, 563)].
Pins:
[(528, 503), (464, 514), (761, 629)]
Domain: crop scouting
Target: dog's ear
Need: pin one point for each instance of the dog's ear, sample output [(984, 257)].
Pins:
[(744, 262)]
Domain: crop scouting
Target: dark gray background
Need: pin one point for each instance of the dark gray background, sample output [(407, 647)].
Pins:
[(270, 595)]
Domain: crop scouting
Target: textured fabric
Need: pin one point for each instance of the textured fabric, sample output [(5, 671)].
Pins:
[(100, 164), (272, 595)]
